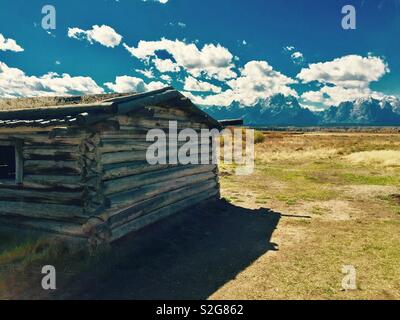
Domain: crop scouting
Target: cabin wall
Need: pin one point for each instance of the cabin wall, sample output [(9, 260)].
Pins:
[(138, 193), (59, 176), (96, 183)]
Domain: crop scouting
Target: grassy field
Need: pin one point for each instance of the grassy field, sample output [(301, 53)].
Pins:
[(333, 199), (339, 200)]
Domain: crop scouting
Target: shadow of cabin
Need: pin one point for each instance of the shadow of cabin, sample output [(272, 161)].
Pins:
[(190, 256)]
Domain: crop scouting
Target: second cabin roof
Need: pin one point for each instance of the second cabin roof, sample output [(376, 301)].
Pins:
[(87, 110)]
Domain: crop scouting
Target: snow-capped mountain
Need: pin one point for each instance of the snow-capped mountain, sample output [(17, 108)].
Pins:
[(364, 111), (394, 102), (280, 110)]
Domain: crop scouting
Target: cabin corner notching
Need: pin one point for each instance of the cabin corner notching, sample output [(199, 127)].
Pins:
[(81, 169)]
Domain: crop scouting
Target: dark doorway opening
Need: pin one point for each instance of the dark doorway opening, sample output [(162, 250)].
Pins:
[(7, 163)]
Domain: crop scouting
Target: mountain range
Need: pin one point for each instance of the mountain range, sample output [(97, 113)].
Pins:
[(280, 110)]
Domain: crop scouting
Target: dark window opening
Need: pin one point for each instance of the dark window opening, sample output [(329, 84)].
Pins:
[(7, 163)]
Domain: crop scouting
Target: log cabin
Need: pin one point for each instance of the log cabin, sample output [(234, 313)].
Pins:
[(77, 166)]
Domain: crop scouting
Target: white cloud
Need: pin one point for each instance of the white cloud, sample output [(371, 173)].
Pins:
[(313, 96), (297, 57), (351, 71), (166, 78), (179, 24), (257, 81), (125, 84), (166, 65), (224, 98), (15, 83), (332, 96), (104, 35), (147, 73), (9, 44), (212, 61), (192, 84), (160, 1), (343, 79)]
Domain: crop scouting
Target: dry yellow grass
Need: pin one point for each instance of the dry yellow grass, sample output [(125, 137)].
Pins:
[(338, 194), (299, 155), (40, 102), (375, 157)]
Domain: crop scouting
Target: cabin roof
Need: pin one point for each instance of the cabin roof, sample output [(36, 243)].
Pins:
[(87, 110)]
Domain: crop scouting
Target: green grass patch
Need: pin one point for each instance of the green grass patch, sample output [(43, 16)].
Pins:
[(371, 179)]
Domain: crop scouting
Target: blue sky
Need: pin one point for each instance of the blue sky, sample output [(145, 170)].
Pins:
[(217, 52)]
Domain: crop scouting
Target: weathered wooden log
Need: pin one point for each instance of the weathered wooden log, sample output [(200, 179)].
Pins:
[(46, 181), (41, 139), (151, 204), (157, 122), (163, 125), (49, 149), (45, 196), (129, 156), (129, 145), (52, 167), (134, 225), (43, 210), (133, 134), (49, 154), (123, 184), (122, 145), (67, 228), (126, 198), (118, 157), (120, 170)]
